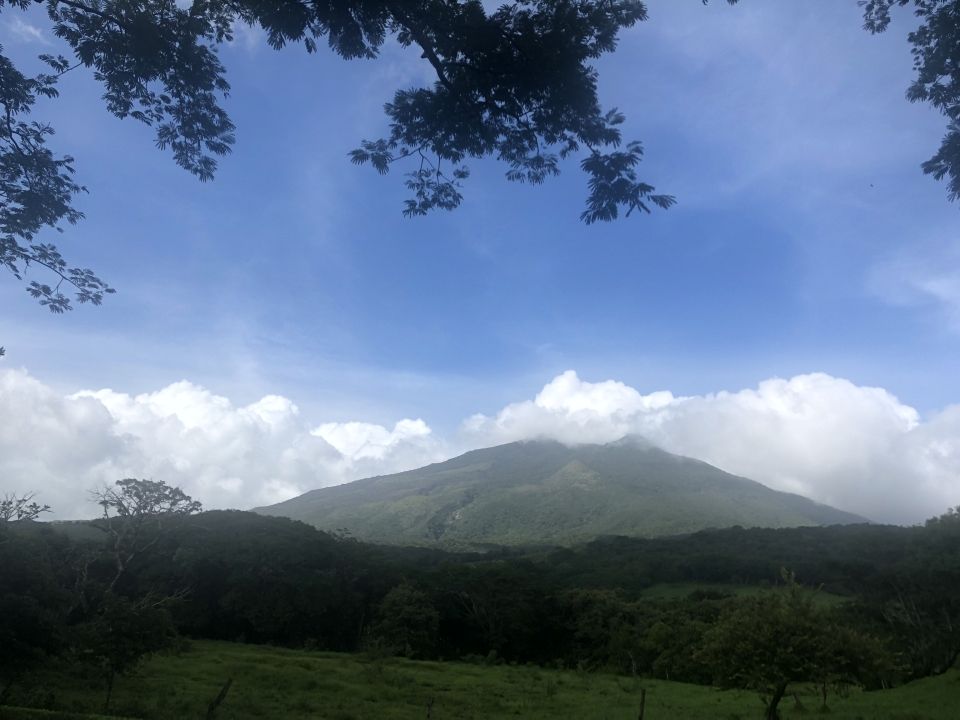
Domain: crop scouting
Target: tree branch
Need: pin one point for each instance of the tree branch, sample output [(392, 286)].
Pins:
[(94, 11)]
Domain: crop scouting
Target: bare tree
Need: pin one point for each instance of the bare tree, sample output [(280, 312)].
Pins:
[(20, 507)]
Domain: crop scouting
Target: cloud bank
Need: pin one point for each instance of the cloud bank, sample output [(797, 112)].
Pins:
[(221, 454), (858, 448)]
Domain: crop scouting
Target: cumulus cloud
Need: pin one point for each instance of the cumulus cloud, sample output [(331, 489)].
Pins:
[(858, 448), (571, 411), (219, 453)]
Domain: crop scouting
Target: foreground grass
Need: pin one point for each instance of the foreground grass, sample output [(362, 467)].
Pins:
[(277, 683)]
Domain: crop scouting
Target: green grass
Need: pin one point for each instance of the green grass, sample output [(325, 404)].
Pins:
[(19, 713), (277, 683)]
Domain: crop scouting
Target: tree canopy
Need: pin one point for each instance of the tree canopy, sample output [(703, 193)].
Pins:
[(769, 641), (517, 84)]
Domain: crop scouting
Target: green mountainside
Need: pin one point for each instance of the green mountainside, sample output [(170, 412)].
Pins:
[(546, 493)]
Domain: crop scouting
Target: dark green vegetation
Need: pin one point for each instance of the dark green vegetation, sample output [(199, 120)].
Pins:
[(92, 607), (518, 84), (545, 493), (271, 682)]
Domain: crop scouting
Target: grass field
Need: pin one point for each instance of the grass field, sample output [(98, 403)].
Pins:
[(675, 591), (277, 683)]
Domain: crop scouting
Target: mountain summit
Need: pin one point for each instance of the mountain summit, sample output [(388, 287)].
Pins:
[(540, 493)]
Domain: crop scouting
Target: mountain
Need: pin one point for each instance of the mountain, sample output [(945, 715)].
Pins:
[(545, 493)]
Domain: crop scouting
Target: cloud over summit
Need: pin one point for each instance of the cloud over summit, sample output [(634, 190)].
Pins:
[(855, 447)]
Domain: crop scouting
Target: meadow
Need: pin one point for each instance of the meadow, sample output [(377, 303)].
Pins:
[(271, 682)]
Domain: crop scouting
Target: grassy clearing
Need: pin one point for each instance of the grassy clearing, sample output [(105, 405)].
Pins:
[(278, 683), (677, 591)]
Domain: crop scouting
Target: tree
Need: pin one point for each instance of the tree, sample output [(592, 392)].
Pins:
[(767, 642), (135, 515), (20, 507), (119, 631), (36, 190), (516, 84), (122, 633), (407, 622), (950, 520), (936, 44), (33, 602), (921, 603)]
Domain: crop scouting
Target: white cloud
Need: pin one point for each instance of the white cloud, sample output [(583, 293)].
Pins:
[(854, 447), (858, 448), (926, 276), (571, 411), (26, 32), (366, 440), (248, 37), (221, 454)]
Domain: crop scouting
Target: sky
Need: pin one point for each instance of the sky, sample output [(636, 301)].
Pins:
[(795, 318)]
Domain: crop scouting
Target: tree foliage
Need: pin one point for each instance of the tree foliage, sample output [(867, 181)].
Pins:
[(407, 623), (767, 642), (33, 600), (936, 49), (949, 520), (37, 190), (121, 634), (517, 84)]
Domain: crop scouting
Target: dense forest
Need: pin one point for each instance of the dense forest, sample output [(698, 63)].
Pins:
[(869, 605)]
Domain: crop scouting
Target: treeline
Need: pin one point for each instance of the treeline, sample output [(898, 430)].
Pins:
[(72, 590)]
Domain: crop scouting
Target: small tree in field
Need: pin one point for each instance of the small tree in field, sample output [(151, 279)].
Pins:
[(122, 633), (766, 643)]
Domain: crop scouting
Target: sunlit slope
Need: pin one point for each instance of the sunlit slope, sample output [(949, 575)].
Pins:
[(546, 493)]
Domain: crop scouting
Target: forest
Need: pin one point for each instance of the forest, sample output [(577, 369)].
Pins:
[(870, 606)]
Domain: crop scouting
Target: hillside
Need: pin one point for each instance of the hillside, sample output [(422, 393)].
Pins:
[(540, 493)]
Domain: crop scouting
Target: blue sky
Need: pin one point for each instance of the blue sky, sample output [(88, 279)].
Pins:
[(805, 238)]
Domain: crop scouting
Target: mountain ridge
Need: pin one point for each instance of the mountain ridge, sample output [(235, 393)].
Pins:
[(545, 493)]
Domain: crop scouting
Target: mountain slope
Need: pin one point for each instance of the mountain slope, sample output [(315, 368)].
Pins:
[(536, 493)]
